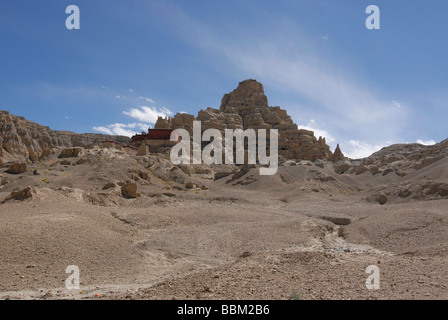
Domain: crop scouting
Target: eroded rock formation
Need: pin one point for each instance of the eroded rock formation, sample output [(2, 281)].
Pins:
[(21, 139), (247, 107)]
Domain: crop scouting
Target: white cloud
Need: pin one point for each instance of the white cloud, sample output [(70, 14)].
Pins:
[(356, 149), (353, 149), (147, 99), (121, 129), (340, 99), (148, 114), (131, 90), (396, 103), (318, 132), (145, 115), (118, 97), (426, 142)]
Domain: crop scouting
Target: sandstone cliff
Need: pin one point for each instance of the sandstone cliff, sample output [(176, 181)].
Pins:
[(21, 139), (247, 107)]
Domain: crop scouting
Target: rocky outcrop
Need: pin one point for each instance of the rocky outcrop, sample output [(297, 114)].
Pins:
[(337, 154), (17, 168), (162, 123), (179, 121), (70, 153), (247, 107), (21, 194), (129, 190), (143, 150), (249, 102), (21, 139), (398, 159), (381, 198)]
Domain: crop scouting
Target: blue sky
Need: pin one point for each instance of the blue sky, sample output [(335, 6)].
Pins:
[(133, 60)]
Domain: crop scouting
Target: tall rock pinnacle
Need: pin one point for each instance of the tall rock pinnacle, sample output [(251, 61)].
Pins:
[(247, 107)]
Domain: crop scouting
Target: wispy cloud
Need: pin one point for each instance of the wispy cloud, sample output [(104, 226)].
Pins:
[(147, 99), (288, 59), (121, 129), (339, 99), (147, 114), (356, 149), (396, 103), (426, 142)]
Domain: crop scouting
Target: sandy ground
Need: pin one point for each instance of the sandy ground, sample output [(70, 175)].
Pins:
[(295, 235)]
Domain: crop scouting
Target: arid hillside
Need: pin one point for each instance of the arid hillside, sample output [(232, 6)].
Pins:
[(141, 227)]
